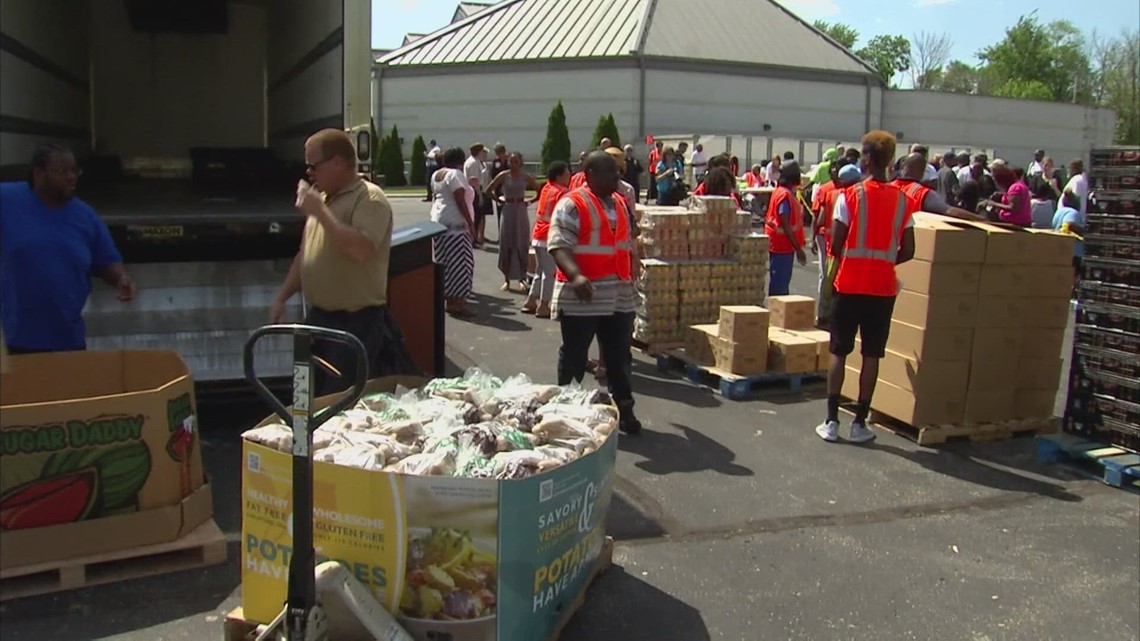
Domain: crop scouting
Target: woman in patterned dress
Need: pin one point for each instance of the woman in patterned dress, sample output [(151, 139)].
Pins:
[(514, 231), (452, 198)]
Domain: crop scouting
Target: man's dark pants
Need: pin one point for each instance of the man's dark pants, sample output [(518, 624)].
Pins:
[(383, 342), (613, 333)]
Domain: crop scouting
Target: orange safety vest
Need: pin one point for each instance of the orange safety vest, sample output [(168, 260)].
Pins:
[(549, 196), (578, 180), (915, 192), (777, 241), (603, 250), (873, 238)]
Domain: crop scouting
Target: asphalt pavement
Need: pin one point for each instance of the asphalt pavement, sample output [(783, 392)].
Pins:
[(734, 521)]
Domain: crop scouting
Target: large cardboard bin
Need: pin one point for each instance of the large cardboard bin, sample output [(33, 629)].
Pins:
[(99, 452), (540, 535)]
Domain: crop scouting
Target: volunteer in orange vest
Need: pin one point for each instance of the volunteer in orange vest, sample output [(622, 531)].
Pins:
[(871, 233), (784, 225), (594, 294), (542, 287), (651, 165), (578, 180), (923, 198), (842, 174)]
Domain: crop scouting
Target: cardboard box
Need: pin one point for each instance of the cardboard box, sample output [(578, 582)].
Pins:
[(993, 376), (989, 405), (790, 353), (98, 447), (700, 344), (541, 534), (822, 340), (1039, 373), (938, 378), (939, 279), (1051, 248), (936, 312), (792, 312), (996, 345), (1040, 343), (1001, 311), (928, 409), (917, 343), (937, 239), (1046, 313), (1049, 281), (745, 359), (1034, 403), (744, 324), (1005, 280), (1005, 244)]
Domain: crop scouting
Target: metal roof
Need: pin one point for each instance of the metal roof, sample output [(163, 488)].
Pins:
[(749, 32)]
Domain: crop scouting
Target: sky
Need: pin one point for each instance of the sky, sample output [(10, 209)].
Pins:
[(972, 24)]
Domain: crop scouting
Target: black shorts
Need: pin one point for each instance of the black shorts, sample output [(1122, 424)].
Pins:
[(870, 316)]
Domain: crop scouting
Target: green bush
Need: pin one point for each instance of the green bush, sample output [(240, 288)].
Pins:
[(419, 170), (606, 128), (393, 161), (557, 143)]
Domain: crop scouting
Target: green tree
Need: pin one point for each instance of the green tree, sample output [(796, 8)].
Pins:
[(890, 55), (1033, 55), (556, 146), (606, 128), (845, 35), (393, 162), (1117, 81), (419, 169)]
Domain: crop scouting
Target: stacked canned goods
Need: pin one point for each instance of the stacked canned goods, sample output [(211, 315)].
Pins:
[(1104, 395)]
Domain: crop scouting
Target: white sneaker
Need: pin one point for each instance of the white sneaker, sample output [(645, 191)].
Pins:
[(860, 433), (828, 431)]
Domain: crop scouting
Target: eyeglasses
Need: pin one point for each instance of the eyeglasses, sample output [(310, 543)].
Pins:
[(312, 166), (71, 171)]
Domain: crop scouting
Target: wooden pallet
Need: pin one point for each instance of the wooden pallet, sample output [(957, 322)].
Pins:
[(947, 433), (204, 546), (734, 387), (237, 628), (1115, 466), (653, 349)]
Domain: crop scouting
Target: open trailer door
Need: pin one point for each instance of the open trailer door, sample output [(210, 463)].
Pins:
[(317, 70)]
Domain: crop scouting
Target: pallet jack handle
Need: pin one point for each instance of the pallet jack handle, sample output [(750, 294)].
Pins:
[(301, 609)]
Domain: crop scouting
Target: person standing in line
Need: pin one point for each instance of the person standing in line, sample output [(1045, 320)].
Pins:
[(700, 163), (667, 173), (679, 156), (633, 171), (499, 164), (515, 233), (594, 294), (474, 170), (1068, 220), (651, 165), (923, 198), (453, 207), (431, 162), (1014, 207), (1078, 185), (784, 224), (51, 244), (542, 287), (822, 204), (948, 178), (605, 143), (962, 172), (342, 267), (872, 231), (1038, 164)]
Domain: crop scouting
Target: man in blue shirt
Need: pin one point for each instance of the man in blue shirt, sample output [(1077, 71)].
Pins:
[(1068, 220), (51, 245)]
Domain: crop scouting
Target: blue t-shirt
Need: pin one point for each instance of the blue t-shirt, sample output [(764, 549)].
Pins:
[(1073, 217), (47, 259), (666, 183)]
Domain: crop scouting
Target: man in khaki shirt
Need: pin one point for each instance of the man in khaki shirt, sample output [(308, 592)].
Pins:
[(342, 268)]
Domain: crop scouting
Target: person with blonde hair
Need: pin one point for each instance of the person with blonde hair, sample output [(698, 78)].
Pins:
[(342, 267)]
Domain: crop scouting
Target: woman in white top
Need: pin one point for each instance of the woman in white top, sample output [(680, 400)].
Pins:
[(453, 206)]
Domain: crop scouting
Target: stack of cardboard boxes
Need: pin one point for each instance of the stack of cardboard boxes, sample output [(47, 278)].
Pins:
[(694, 261), (750, 340), (977, 328)]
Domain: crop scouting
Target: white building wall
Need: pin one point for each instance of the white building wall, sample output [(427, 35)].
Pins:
[(1012, 128), (683, 102), (511, 107)]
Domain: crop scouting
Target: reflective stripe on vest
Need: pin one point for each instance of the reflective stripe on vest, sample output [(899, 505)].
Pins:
[(859, 249), (593, 245)]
